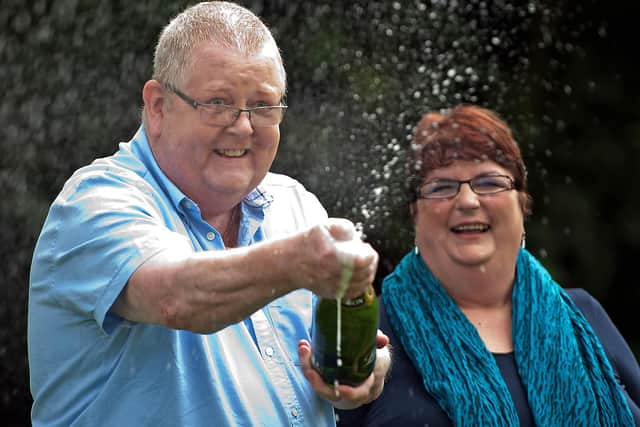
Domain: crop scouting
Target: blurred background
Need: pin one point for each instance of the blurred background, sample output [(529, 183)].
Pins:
[(361, 73)]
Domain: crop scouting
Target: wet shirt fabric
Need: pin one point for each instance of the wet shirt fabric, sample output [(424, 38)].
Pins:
[(404, 401), (90, 367)]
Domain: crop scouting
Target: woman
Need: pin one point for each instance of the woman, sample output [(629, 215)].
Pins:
[(482, 335)]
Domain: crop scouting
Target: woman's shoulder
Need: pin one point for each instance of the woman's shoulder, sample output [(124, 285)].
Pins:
[(595, 314), (586, 302), (620, 354)]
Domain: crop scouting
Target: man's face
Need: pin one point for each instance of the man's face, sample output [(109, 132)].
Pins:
[(218, 165)]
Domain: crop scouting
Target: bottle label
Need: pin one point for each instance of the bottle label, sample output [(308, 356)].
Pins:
[(367, 296), (353, 302)]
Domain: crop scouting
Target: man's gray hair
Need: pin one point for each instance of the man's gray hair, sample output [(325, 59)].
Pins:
[(224, 23)]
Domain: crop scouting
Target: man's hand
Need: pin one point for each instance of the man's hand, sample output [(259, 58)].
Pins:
[(320, 256), (344, 396)]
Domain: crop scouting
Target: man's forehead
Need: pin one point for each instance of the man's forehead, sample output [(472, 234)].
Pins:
[(213, 55)]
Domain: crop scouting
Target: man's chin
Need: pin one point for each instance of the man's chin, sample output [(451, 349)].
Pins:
[(230, 186)]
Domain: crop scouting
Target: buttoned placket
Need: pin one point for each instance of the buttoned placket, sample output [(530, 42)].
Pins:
[(197, 228), (266, 337), (275, 363)]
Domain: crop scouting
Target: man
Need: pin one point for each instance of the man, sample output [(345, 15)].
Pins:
[(172, 282)]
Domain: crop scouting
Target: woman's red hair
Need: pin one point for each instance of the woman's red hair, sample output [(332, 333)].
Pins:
[(465, 132)]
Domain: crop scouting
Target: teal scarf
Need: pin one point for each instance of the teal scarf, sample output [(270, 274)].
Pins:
[(563, 366)]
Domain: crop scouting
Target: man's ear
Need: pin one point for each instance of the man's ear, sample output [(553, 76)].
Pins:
[(153, 96)]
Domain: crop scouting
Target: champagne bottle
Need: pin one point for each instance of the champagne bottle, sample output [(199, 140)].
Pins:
[(346, 355)]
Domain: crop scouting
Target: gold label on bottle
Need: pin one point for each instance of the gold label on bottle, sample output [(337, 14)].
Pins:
[(368, 296), (353, 302)]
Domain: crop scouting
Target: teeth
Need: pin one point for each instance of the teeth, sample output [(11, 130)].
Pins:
[(231, 153), (471, 227)]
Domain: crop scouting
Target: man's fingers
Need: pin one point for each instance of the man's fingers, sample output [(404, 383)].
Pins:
[(381, 339), (353, 397), (341, 229), (314, 378)]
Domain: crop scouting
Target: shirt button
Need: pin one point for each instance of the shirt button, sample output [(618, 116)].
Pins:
[(269, 351), (294, 412), (211, 235)]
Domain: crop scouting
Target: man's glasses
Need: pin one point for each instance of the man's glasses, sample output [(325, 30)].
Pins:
[(226, 115), (481, 185)]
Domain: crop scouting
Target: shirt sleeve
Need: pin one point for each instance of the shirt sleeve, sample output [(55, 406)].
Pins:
[(99, 230), (293, 208)]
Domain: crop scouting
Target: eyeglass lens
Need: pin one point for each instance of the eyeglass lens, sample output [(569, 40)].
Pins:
[(223, 115), (446, 188)]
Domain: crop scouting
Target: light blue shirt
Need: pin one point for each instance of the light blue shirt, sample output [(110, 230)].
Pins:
[(89, 367)]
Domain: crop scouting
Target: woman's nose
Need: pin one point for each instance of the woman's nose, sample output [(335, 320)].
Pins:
[(466, 197)]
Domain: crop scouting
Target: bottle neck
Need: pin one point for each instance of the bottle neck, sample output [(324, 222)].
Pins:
[(364, 298)]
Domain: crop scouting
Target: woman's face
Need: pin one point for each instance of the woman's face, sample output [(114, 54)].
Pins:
[(469, 229)]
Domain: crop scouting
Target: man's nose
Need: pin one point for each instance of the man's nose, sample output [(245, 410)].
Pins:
[(243, 122)]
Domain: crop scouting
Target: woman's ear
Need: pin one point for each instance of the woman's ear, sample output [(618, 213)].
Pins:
[(525, 203), (153, 96)]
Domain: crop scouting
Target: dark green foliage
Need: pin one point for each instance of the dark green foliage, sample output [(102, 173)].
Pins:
[(360, 74)]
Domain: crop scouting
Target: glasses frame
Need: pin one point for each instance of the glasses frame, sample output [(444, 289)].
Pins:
[(512, 186), (207, 106)]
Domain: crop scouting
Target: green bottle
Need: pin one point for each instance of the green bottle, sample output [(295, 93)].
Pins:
[(347, 356)]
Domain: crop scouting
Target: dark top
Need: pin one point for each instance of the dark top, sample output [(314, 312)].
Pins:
[(404, 401)]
